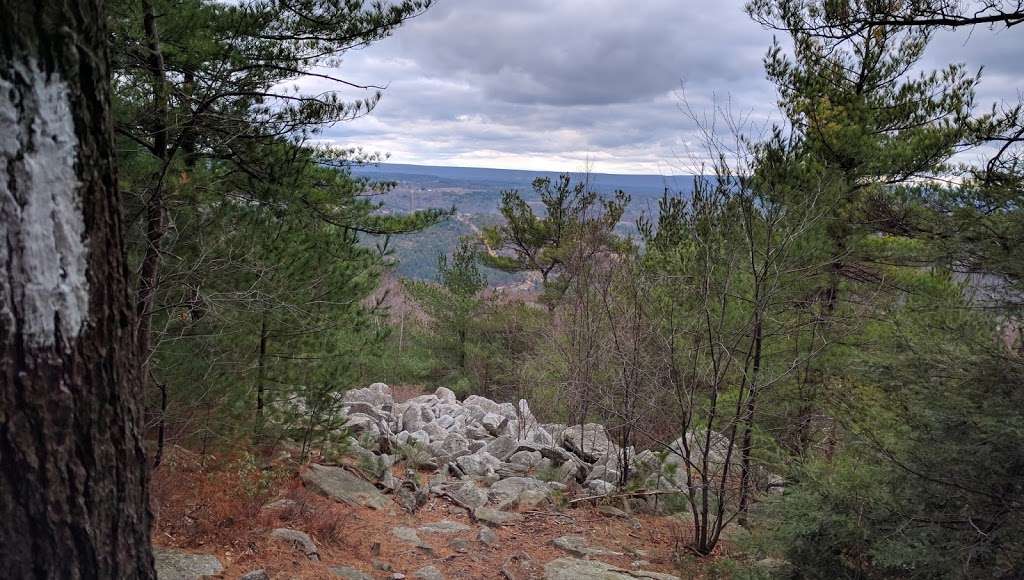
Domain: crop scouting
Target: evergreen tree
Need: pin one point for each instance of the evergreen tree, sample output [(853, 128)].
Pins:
[(865, 126), (922, 478), (254, 249), (542, 244), (454, 302)]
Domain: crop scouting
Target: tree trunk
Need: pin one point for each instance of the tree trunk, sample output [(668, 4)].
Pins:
[(748, 427), (462, 349), (156, 226), (261, 372), (73, 499)]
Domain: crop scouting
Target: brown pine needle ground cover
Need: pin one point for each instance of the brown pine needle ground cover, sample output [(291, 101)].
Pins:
[(212, 505)]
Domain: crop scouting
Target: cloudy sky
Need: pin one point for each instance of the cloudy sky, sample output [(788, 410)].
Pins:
[(560, 84)]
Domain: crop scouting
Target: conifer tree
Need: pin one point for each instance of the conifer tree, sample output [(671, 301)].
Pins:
[(542, 244), (454, 301)]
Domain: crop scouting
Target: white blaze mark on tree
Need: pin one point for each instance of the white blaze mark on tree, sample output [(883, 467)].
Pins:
[(43, 283)]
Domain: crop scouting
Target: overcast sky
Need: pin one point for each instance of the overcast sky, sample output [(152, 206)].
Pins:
[(551, 84)]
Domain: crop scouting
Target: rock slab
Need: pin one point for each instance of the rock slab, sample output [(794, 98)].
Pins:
[(178, 565), (341, 485), (576, 569), (349, 573), (298, 539)]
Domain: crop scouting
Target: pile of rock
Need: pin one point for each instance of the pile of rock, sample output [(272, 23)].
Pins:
[(499, 445), (478, 440)]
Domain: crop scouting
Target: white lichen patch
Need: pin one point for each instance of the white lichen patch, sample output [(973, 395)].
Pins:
[(43, 250)]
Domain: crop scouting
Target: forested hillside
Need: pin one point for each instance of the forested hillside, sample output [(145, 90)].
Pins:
[(228, 333)]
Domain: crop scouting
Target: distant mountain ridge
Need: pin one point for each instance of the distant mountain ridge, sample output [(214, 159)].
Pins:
[(522, 178)]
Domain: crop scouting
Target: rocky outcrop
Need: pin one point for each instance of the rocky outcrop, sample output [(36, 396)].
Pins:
[(479, 442), (490, 455)]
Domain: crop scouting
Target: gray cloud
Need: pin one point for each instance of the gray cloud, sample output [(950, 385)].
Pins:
[(541, 84)]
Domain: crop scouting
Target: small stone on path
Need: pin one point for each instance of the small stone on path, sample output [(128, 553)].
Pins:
[(178, 565), (349, 573), (298, 539), (493, 517), (443, 527), (428, 573), (577, 545)]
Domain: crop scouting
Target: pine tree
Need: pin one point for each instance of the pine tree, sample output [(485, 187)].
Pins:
[(542, 244), (454, 301)]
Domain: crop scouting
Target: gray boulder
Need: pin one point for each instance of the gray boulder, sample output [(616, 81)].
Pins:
[(455, 445), (446, 395), (407, 535), (506, 470), (508, 410), (507, 492), (578, 546), (589, 442), (477, 431), (540, 436), (479, 464), (435, 431), (255, 575), (443, 527), (466, 494), (419, 437), (412, 418), (428, 573), (484, 403), (493, 517), (297, 539), (349, 573), (533, 498), (495, 424), (525, 422), (377, 395), (362, 425), (341, 485), (445, 422), (364, 408), (488, 537), (528, 459), (174, 564), (577, 569), (602, 472), (425, 400), (501, 447)]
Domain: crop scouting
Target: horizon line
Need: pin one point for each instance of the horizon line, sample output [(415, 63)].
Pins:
[(558, 171)]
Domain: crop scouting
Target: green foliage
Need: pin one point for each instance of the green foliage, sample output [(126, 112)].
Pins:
[(920, 472), (573, 214), (453, 302), (255, 264)]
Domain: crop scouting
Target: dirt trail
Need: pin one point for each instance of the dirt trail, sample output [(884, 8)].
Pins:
[(216, 510)]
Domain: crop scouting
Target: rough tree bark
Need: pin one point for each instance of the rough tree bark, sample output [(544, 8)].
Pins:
[(73, 499)]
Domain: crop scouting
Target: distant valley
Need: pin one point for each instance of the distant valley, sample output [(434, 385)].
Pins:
[(476, 194)]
